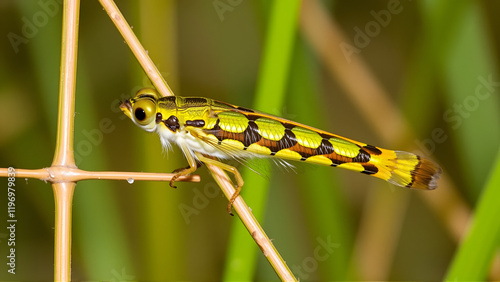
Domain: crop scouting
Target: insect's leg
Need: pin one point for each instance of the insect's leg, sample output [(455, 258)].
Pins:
[(226, 167), (198, 165), (193, 166)]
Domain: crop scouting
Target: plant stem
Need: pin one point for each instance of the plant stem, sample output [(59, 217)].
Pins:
[(65, 122), (477, 251), (253, 226), (270, 96), (64, 174), (63, 192), (135, 45), (63, 195), (239, 205)]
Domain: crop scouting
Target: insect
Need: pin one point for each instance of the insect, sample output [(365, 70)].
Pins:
[(208, 130)]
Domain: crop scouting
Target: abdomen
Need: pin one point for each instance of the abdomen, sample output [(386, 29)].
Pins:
[(266, 135)]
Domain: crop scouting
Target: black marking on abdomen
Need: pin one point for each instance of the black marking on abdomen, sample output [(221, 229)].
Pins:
[(362, 157), (251, 134), (216, 125), (325, 148), (287, 141), (369, 169), (336, 162), (248, 137), (372, 150), (328, 136), (217, 132), (252, 117), (289, 125)]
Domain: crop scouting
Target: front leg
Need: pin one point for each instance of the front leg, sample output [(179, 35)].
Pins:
[(193, 166)]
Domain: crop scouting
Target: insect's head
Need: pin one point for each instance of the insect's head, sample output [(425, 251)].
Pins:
[(142, 109)]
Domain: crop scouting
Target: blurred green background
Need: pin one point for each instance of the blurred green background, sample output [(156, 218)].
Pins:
[(430, 57)]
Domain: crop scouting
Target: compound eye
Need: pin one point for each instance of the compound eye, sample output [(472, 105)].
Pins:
[(144, 110), (140, 114)]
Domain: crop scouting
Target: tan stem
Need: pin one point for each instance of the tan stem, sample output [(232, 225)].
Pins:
[(65, 174), (63, 197), (65, 122), (63, 192), (239, 205), (253, 226), (136, 47)]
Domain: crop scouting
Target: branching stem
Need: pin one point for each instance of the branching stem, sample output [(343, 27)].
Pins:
[(239, 205)]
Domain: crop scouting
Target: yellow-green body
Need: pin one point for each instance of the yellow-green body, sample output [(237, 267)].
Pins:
[(206, 128)]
